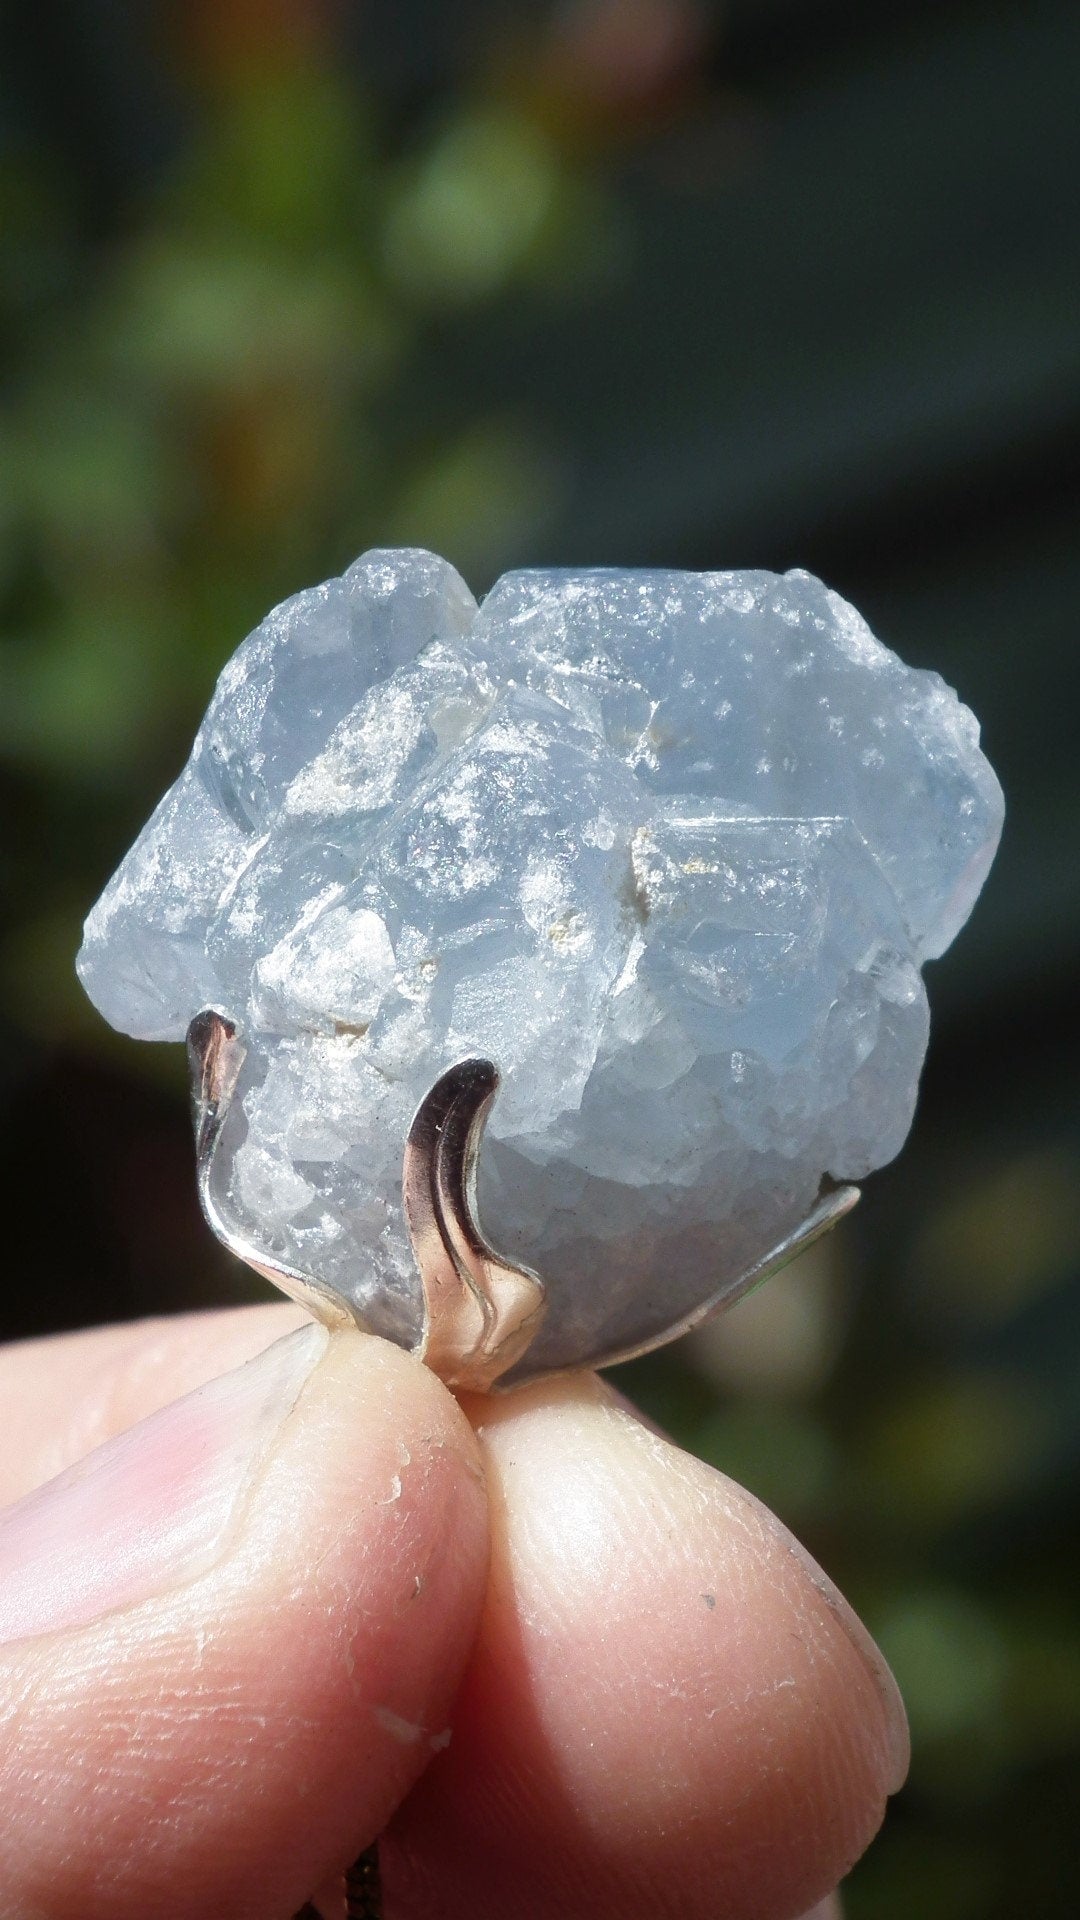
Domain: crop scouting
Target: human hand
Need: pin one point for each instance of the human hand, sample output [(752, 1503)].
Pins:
[(282, 1615)]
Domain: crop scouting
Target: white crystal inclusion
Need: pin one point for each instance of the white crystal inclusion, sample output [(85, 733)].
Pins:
[(670, 848)]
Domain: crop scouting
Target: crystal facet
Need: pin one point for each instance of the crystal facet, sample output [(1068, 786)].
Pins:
[(670, 848)]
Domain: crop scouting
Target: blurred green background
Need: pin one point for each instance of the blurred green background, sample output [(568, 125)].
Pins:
[(767, 283)]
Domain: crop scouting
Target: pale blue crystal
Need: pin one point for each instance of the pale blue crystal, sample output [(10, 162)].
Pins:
[(670, 848)]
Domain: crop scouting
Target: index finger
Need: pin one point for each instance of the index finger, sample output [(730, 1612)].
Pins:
[(669, 1709)]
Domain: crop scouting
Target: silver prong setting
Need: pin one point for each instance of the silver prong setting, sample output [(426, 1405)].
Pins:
[(481, 1311), (216, 1055)]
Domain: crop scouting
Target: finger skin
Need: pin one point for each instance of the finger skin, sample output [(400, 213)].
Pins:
[(221, 1749), (74, 1391), (664, 1713), (64, 1394)]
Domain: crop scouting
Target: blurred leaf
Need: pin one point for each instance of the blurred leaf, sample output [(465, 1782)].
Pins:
[(956, 1445), (786, 1458), (187, 314), (470, 211), (92, 476), (1003, 1240), (86, 700), (950, 1659), (287, 157)]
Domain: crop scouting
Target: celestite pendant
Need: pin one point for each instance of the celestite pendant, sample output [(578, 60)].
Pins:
[(666, 850)]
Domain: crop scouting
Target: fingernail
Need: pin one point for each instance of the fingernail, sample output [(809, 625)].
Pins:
[(153, 1508)]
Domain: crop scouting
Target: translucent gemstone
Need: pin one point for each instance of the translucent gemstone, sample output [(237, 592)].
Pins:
[(670, 848)]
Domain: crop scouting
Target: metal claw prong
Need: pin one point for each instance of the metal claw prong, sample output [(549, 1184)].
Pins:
[(481, 1312), (832, 1205), (216, 1054)]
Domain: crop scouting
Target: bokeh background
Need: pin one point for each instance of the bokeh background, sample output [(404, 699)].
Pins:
[(768, 282)]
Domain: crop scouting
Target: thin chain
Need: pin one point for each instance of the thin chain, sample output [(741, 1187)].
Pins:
[(361, 1890)]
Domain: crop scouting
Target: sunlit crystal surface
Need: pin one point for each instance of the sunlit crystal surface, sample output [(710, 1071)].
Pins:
[(670, 848)]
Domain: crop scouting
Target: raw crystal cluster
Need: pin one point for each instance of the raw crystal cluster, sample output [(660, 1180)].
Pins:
[(670, 848)]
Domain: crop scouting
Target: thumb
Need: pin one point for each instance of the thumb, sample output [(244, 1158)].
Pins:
[(231, 1637)]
